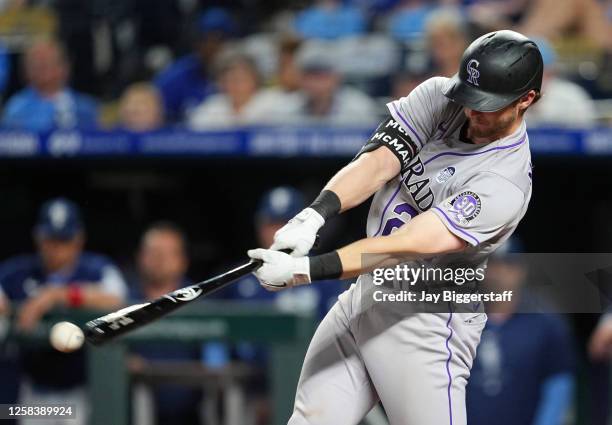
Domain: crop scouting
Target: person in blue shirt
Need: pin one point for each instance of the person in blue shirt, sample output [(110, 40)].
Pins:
[(185, 83), (276, 207), (407, 21), (162, 266), (59, 274), (524, 368), (330, 19), (48, 102)]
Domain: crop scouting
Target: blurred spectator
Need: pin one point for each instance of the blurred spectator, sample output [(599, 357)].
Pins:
[(595, 366), (189, 80), (162, 261), (550, 19), (141, 108), (563, 103), (517, 379), (60, 274), (405, 82), (373, 7), (288, 73), (600, 344), (407, 21), (23, 21), (162, 265), (9, 359), (48, 102), (553, 19), (447, 39), (241, 101), (5, 69), (491, 15), (330, 19), (324, 99), (275, 208)]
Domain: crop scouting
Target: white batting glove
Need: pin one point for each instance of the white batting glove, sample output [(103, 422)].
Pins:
[(299, 233), (280, 270)]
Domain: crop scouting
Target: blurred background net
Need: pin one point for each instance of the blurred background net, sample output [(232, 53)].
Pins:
[(164, 138)]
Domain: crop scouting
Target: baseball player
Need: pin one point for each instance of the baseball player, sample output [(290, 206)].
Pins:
[(450, 172)]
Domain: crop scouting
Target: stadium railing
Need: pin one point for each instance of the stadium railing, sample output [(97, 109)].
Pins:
[(255, 142), (285, 335)]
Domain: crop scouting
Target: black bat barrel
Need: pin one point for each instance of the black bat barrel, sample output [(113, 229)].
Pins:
[(105, 328)]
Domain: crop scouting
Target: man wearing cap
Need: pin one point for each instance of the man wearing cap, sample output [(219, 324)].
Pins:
[(189, 80), (276, 207), (162, 262), (60, 274), (48, 102), (324, 100)]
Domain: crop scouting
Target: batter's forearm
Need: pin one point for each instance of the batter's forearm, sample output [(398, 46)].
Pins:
[(365, 255), (424, 236), (357, 258), (360, 179), (353, 186), (368, 254)]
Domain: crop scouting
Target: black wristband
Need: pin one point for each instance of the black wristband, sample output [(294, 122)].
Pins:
[(327, 204), (325, 266)]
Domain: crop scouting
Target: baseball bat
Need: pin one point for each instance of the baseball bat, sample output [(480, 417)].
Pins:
[(110, 326)]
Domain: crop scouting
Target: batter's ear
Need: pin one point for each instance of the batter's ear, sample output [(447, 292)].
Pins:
[(527, 100)]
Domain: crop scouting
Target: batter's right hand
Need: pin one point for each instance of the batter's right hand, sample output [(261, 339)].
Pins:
[(299, 234)]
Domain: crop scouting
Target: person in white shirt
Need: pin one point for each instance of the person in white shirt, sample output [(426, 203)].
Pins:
[(324, 100), (241, 101)]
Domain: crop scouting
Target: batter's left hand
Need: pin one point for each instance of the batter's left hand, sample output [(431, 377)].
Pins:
[(280, 270)]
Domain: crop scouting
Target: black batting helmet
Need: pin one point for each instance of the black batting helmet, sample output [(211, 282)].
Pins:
[(496, 69)]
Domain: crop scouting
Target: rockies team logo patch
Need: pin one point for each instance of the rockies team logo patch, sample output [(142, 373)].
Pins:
[(464, 207)]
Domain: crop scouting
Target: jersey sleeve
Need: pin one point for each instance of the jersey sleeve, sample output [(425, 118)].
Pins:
[(484, 207), (420, 112), (392, 135)]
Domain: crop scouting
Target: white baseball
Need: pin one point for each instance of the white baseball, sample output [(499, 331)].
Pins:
[(66, 337)]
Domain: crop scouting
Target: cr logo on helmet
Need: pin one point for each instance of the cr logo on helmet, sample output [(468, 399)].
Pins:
[(473, 73)]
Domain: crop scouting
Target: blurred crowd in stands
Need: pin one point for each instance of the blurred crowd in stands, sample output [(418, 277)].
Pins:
[(144, 65)]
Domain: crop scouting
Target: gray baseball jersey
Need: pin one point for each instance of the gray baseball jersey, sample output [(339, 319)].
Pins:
[(480, 192), (417, 364)]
